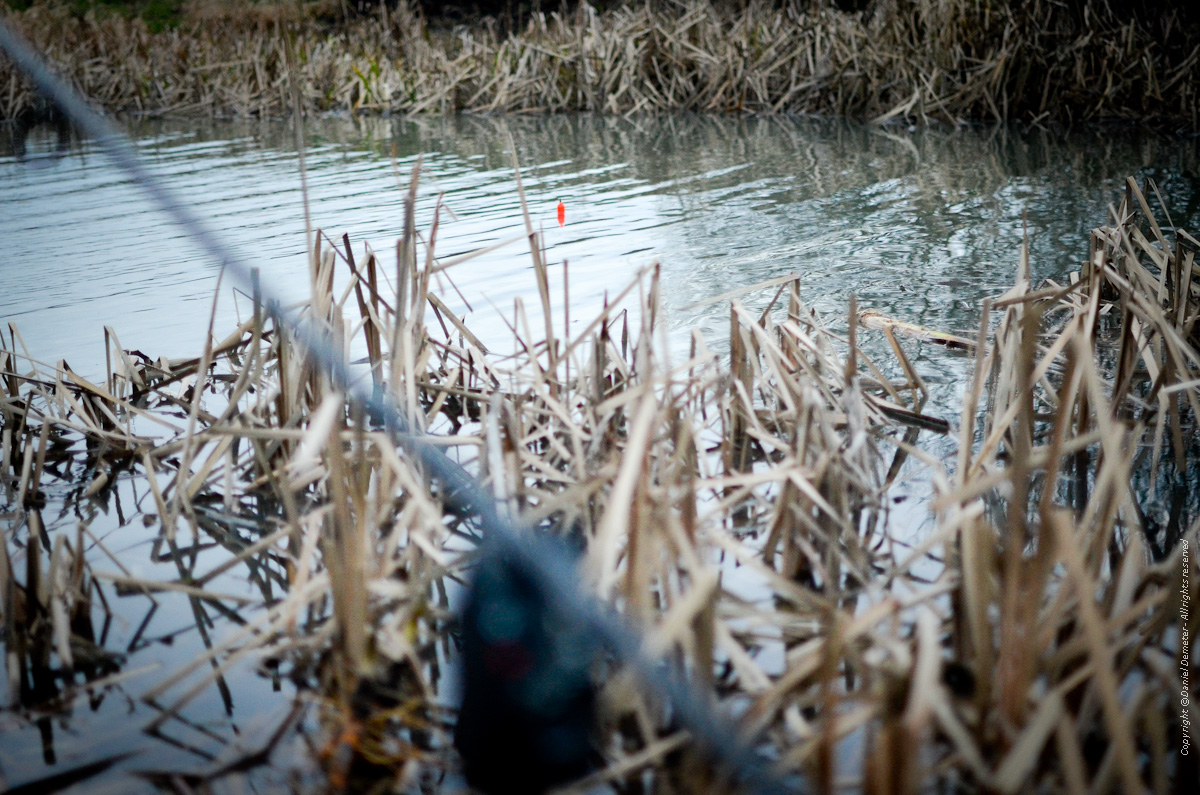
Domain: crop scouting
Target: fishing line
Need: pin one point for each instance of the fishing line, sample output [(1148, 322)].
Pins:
[(543, 562)]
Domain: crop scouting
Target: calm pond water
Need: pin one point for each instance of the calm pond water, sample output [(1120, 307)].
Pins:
[(919, 225)]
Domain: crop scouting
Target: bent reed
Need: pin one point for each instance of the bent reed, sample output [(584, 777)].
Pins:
[(945, 60), (734, 507)]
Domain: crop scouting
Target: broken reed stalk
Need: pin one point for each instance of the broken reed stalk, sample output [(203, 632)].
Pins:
[(1041, 653), (1070, 436), (948, 61)]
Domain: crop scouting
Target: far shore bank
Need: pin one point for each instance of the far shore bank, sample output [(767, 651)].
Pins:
[(951, 62)]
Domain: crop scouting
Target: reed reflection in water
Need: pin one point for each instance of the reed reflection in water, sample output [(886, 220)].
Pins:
[(918, 224)]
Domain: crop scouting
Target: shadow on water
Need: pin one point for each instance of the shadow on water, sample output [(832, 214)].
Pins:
[(29, 122)]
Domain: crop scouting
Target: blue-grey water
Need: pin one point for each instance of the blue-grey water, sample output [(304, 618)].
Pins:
[(920, 225)]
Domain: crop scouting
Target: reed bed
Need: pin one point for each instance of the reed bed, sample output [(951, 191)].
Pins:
[(735, 508), (905, 60)]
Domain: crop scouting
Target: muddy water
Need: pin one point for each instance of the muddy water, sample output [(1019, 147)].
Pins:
[(919, 225)]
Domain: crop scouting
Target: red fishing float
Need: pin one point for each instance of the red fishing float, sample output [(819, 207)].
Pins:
[(562, 213)]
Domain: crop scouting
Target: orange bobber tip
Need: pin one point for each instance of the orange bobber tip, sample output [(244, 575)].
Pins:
[(562, 213)]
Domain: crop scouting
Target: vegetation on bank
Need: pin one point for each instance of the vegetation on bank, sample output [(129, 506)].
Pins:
[(894, 59), (157, 14)]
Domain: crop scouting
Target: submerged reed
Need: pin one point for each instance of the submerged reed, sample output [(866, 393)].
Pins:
[(913, 59), (1031, 641)]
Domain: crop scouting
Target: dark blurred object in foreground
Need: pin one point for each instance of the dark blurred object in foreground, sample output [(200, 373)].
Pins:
[(528, 714)]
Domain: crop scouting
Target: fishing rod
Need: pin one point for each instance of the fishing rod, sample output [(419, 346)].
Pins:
[(546, 565)]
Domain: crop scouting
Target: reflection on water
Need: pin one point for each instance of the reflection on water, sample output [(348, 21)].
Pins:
[(919, 225)]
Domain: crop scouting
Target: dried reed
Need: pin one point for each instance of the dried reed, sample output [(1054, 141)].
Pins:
[(1030, 642), (913, 59)]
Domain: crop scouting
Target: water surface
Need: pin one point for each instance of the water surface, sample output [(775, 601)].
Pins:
[(919, 225)]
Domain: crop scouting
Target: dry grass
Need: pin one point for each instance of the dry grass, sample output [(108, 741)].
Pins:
[(908, 59), (1030, 642)]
